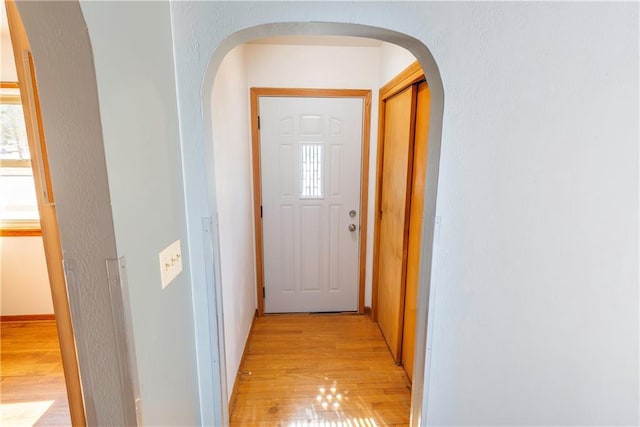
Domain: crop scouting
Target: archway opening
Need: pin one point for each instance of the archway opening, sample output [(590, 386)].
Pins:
[(248, 59)]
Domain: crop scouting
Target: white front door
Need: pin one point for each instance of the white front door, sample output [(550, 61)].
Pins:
[(310, 157)]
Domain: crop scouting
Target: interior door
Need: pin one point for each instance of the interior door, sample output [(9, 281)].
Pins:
[(419, 177), (398, 137), (310, 162)]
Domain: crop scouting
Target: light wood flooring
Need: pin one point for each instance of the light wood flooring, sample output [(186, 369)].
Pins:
[(32, 388), (319, 370)]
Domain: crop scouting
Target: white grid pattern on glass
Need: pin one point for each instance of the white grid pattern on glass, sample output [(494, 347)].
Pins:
[(311, 179)]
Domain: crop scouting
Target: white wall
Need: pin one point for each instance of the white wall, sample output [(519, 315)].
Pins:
[(393, 59), (24, 281), (132, 50), (232, 155), (536, 308), (336, 67), (537, 301), (536, 317)]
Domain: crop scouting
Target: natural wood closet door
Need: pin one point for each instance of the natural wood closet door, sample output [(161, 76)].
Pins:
[(415, 226), (399, 113)]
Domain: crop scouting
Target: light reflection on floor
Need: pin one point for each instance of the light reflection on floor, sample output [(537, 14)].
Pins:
[(27, 412), (330, 399), (350, 422), (333, 400), (322, 371)]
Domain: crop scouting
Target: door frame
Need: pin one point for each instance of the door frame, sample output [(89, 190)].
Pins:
[(255, 94), (409, 76)]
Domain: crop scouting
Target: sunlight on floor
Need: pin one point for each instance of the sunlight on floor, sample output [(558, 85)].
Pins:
[(332, 399), (319, 371), (350, 422), (27, 412)]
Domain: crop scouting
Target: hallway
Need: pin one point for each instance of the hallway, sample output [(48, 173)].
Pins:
[(319, 370)]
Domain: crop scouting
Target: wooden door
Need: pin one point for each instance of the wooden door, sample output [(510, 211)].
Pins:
[(310, 155), (394, 197), (415, 225), (47, 211)]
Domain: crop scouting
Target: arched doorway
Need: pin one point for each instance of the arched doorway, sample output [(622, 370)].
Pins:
[(69, 49), (331, 29)]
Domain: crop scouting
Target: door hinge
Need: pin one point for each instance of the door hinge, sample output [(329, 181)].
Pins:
[(264, 292), (258, 122), (260, 211)]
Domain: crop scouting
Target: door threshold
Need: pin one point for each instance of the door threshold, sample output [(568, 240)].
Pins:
[(308, 314)]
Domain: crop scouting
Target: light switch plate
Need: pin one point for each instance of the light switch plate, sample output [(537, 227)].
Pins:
[(170, 263)]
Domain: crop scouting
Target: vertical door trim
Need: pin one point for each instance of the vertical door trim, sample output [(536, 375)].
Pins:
[(409, 76), (256, 93)]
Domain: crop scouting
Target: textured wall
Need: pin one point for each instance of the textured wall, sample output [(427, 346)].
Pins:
[(536, 309), (531, 306), (137, 116), (69, 100), (132, 50)]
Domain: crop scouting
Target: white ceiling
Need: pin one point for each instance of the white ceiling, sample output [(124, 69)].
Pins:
[(319, 41)]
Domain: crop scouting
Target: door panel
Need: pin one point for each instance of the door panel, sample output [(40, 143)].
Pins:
[(399, 112), (310, 162), (312, 261), (415, 225)]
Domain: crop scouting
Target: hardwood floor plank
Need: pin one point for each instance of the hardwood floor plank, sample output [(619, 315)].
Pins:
[(310, 370), (32, 386)]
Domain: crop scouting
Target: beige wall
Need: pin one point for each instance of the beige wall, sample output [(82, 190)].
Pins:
[(24, 284), (7, 65), (232, 154)]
